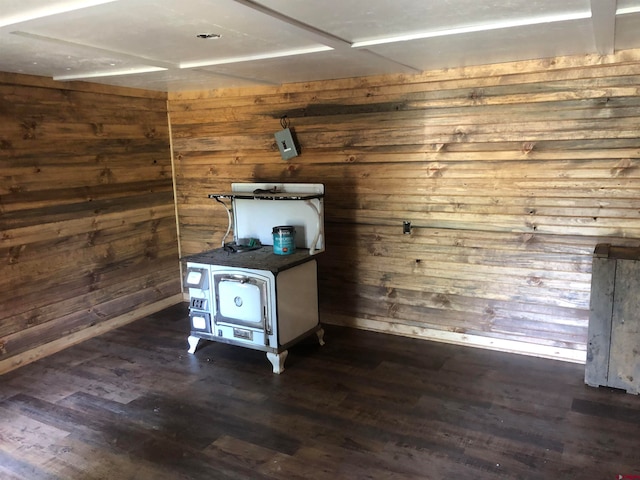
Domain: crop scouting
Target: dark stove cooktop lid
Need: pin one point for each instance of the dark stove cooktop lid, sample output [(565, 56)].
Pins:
[(260, 259)]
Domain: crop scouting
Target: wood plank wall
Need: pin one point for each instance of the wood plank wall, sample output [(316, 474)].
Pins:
[(87, 216), (510, 174)]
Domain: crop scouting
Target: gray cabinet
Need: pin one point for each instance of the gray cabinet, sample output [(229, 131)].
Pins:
[(613, 348)]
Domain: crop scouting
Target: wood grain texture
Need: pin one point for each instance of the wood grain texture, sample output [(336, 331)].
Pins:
[(624, 359), (600, 308), (132, 404), (510, 174), (87, 220)]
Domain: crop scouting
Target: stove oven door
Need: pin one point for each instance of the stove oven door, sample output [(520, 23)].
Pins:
[(241, 301)]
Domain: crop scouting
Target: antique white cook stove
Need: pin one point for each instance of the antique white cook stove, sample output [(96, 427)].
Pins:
[(253, 297)]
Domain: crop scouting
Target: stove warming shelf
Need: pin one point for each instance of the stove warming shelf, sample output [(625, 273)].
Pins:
[(266, 196)]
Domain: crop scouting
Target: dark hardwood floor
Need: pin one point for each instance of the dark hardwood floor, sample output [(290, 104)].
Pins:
[(133, 404)]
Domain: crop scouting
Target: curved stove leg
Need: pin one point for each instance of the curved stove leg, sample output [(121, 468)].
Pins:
[(277, 360), (193, 343), (320, 334)]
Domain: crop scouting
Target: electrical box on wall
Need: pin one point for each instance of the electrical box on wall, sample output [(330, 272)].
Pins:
[(285, 140)]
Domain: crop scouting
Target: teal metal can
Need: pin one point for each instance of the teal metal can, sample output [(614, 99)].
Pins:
[(284, 240)]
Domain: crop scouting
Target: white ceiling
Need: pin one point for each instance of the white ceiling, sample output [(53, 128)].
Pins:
[(265, 42)]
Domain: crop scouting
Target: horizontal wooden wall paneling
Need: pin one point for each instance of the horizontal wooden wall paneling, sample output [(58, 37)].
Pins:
[(492, 286), (519, 151), (89, 236), (21, 81), (57, 213), (443, 137), (428, 112), (40, 311), (616, 174), (79, 115), (26, 200), (620, 163), (46, 332), (489, 319), (558, 206), (527, 243), (27, 150), (36, 309), (40, 253), (429, 255), (84, 307), (485, 340), (522, 189), (33, 354), (396, 98), (66, 131), (525, 145), (507, 226), (56, 230), (96, 267), (459, 300), (425, 110), (419, 260), (406, 154), (520, 221), (36, 298), (580, 112), (85, 278), (503, 305), (409, 322), (569, 68), (100, 171), (509, 174), (86, 302), (497, 171)]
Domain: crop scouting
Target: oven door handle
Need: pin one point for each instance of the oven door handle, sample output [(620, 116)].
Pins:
[(236, 278)]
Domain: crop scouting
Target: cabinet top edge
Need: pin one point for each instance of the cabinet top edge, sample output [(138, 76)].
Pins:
[(606, 250)]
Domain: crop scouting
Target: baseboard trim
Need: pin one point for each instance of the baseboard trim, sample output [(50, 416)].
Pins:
[(489, 343), (50, 348)]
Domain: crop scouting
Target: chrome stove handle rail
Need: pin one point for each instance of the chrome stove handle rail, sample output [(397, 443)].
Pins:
[(235, 278)]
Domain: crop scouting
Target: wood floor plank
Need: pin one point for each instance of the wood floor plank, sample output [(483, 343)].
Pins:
[(252, 455), (133, 404), (12, 468), (76, 459)]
